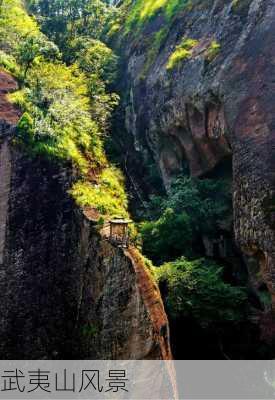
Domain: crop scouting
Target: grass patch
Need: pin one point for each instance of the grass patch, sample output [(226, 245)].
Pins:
[(145, 10), (182, 52), (108, 196), (151, 55), (212, 51)]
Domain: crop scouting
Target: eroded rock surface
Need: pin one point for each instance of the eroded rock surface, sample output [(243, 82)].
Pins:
[(8, 112), (208, 109), (65, 292)]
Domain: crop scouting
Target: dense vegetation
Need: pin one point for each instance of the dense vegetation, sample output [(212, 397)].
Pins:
[(194, 286), (66, 107), (195, 289), (71, 24), (182, 51), (144, 10), (192, 209)]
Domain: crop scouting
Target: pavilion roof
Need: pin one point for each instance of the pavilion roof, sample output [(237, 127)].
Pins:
[(120, 221)]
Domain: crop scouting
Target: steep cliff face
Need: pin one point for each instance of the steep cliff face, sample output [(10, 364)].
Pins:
[(65, 291), (215, 104)]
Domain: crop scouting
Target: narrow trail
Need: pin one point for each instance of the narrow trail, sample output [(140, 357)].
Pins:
[(152, 299), (8, 112)]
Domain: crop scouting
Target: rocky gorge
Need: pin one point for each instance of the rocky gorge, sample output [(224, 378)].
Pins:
[(211, 113), (178, 95)]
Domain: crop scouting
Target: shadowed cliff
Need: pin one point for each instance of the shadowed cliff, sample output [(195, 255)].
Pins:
[(199, 92), (65, 291)]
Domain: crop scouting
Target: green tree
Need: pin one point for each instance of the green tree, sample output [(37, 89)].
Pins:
[(95, 58), (168, 237), (33, 48), (65, 20), (195, 289), (191, 209)]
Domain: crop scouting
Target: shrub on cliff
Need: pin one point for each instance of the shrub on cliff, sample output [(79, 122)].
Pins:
[(63, 21), (15, 24), (65, 107), (177, 222), (168, 237), (182, 52), (212, 51), (143, 10), (25, 127), (31, 48), (8, 63), (108, 195), (195, 289)]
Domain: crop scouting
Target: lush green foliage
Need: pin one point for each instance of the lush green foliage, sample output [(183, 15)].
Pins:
[(133, 18), (35, 48), (153, 50), (95, 58), (65, 20), (193, 207), (65, 108), (108, 195), (144, 10), (56, 99), (182, 51), (195, 289), (213, 50), (8, 63), (15, 24)]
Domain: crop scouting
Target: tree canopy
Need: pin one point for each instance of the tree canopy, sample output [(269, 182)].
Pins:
[(65, 20), (195, 289), (176, 223), (63, 92)]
